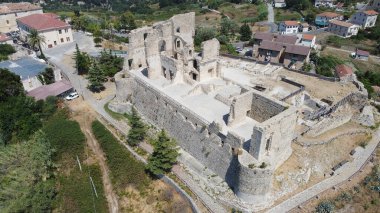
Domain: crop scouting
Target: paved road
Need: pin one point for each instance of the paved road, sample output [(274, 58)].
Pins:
[(270, 13), (341, 175)]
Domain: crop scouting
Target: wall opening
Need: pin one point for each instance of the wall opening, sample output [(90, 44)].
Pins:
[(194, 76), (162, 46), (248, 113), (171, 73), (145, 36), (164, 71), (210, 71), (176, 55), (130, 63), (195, 64), (268, 144), (178, 43), (190, 52), (178, 29)]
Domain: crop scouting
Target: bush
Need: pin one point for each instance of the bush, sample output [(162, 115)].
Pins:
[(325, 207), (124, 168)]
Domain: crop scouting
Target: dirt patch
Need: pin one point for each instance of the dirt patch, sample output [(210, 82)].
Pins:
[(210, 19)]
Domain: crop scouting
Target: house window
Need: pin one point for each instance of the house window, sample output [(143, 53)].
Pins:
[(67, 38), (60, 31), (62, 40), (66, 30)]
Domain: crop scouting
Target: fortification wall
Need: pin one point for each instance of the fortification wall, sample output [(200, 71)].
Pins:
[(213, 150), (263, 108)]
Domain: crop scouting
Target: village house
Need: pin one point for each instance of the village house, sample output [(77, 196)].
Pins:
[(4, 39), (374, 5), (303, 27), (295, 56), (323, 19), (48, 25), (362, 55), (324, 3), (364, 19), (279, 3), (9, 12), (288, 27), (270, 51), (343, 29), (308, 40), (344, 73)]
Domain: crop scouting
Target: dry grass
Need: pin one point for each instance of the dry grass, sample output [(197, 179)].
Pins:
[(238, 12), (209, 19)]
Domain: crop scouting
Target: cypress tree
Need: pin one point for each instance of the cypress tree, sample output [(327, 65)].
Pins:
[(245, 32), (137, 132), (96, 78), (164, 155)]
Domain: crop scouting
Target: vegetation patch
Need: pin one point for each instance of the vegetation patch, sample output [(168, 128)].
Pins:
[(125, 169)]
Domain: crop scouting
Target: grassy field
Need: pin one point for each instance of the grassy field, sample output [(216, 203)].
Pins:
[(75, 193), (286, 15), (125, 169), (241, 12)]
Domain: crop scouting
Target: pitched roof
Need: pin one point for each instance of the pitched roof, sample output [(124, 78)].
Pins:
[(308, 37), (343, 70), (17, 7), (362, 52), (371, 12), (4, 37), (297, 49), (329, 14), (290, 23), (53, 89), (270, 45), (286, 39), (341, 23), (263, 36), (41, 22)]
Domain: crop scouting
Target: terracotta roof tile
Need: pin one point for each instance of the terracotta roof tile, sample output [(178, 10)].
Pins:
[(329, 14), (4, 37), (286, 39), (41, 22), (362, 52), (263, 36), (343, 70), (270, 45), (291, 23), (308, 37), (371, 12), (341, 23), (297, 49), (17, 7)]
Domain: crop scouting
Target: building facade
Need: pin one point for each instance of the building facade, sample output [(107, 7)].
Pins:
[(324, 3), (343, 29), (9, 12), (365, 19), (279, 3), (48, 25), (374, 5), (288, 27), (323, 19)]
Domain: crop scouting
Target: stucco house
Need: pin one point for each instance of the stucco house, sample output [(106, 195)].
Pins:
[(343, 29), (323, 19), (288, 27), (324, 3), (9, 12), (48, 25), (365, 19), (362, 55), (308, 40), (279, 3), (373, 5)]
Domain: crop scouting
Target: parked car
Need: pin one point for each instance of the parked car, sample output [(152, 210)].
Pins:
[(72, 96)]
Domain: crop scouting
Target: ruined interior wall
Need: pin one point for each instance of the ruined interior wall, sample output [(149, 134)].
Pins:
[(240, 106), (210, 49), (136, 47), (263, 108), (186, 25), (208, 70)]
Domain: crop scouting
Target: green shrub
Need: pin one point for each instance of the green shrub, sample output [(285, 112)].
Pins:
[(325, 207)]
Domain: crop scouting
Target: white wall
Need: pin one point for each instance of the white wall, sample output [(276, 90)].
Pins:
[(11, 25), (51, 36)]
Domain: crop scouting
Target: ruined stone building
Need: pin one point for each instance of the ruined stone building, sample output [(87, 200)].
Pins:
[(238, 132)]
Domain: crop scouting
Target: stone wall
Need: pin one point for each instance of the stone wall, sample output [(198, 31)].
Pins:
[(263, 108)]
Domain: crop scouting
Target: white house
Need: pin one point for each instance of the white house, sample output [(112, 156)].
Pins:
[(343, 29), (365, 19), (373, 5), (288, 27), (279, 3), (4, 39), (48, 25), (9, 12), (323, 19), (308, 40), (324, 3)]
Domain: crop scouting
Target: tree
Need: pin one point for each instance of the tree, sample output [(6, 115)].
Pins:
[(228, 26), (10, 85), (97, 41), (137, 132), (96, 78), (164, 155), (82, 61), (47, 76), (126, 21), (34, 39), (203, 34), (245, 32), (109, 63)]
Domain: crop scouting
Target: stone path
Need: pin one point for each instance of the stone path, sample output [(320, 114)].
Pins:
[(270, 12), (341, 175)]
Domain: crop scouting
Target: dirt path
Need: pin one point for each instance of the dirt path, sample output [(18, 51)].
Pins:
[(84, 116)]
